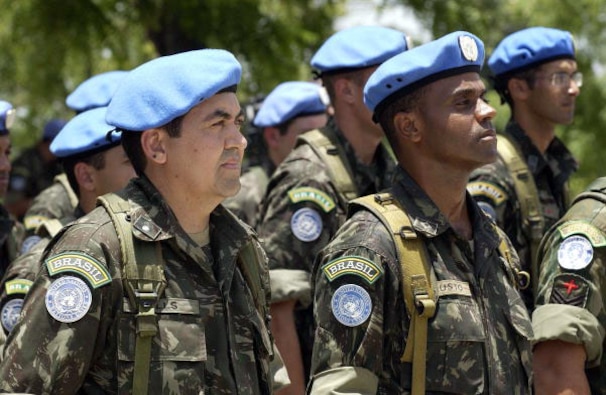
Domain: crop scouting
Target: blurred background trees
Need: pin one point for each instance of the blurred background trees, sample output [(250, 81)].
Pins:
[(49, 46)]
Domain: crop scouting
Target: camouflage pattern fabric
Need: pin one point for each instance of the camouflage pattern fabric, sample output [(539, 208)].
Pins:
[(479, 338), (571, 299), (493, 187), (52, 203), (301, 196), (211, 338), (30, 174), (12, 234), (253, 184)]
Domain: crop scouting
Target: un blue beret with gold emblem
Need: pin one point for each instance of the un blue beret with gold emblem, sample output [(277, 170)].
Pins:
[(95, 92), (85, 133), (358, 47), (7, 117), (290, 100), (455, 53), (529, 48), (158, 91)]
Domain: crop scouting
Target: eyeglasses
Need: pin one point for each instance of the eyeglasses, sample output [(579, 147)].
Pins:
[(562, 79)]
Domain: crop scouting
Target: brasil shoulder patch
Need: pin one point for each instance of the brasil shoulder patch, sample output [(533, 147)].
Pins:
[(308, 194), (354, 265), (17, 286), (592, 233), (487, 190), (76, 262)]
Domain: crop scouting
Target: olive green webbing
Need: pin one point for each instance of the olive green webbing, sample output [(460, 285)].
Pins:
[(416, 280), (144, 281)]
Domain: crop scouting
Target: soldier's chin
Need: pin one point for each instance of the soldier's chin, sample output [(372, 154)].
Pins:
[(232, 188)]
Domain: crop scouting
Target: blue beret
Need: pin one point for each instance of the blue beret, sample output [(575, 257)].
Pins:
[(529, 48), (95, 92), (85, 133), (358, 47), (455, 53), (7, 117), (52, 128), (167, 87), (290, 100)]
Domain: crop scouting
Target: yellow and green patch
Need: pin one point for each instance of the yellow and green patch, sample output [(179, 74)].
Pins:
[(592, 233), (488, 190), (307, 194), (84, 265), (17, 286), (353, 265)]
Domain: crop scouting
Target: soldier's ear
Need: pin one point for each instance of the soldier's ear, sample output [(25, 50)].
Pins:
[(272, 137), (153, 142), (519, 89), (84, 174), (405, 125)]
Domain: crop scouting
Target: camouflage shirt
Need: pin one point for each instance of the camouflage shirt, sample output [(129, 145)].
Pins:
[(301, 211), (571, 299), (12, 234), (213, 338), (30, 174), (493, 187), (479, 338), (253, 184), (54, 202)]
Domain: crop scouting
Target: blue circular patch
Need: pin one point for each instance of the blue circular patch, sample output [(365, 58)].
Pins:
[(351, 305), (10, 313), (306, 224), (68, 299), (29, 243), (575, 253)]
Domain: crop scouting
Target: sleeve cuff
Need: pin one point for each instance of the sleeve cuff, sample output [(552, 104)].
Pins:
[(344, 380), (290, 285)]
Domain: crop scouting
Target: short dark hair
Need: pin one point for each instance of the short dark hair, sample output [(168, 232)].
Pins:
[(406, 103), (500, 83), (328, 80), (96, 160)]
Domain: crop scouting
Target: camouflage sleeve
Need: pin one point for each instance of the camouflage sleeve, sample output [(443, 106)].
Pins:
[(299, 216), (352, 291), (66, 314), (571, 296), (492, 187), (52, 203)]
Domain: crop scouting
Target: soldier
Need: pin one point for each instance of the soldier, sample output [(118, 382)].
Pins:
[(159, 289), (11, 231), (377, 332), (290, 109), (526, 189), (33, 170), (569, 321), (307, 195), (58, 200), (94, 165)]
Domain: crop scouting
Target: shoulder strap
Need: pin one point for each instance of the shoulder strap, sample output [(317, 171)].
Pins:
[(528, 197), (62, 179), (49, 227), (596, 190), (144, 281), (416, 279), (334, 157)]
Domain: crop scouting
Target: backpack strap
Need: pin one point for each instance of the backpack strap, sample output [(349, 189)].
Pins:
[(332, 154), (144, 282), (418, 291), (62, 179), (528, 196)]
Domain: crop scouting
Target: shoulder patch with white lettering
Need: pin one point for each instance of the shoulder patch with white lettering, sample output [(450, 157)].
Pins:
[(11, 311), (354, 265), (76, 262), (351, 305), (307, 194), (453, 287), (68, 299), (575, 253), (488, 190), (306, 224), (592, 233), (17, 286)]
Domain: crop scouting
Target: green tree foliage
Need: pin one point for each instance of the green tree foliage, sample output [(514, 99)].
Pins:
[(49, 46), (491, 20)]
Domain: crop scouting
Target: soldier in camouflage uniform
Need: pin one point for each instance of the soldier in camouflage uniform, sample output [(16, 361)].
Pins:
[(290, 109), (95, 166), (58, 200), (535, 72), (430, 102), (160, 289), (307, 195), (569, 321)]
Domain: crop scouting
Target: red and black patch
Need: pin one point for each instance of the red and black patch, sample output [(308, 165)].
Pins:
[(569, 289)]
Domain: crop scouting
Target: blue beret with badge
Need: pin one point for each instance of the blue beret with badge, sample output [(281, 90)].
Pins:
[(85, 134), (529, 48), (52, 129), (290, 100), (455, 53), (165, 88), (96, 91), (7, 117), (358, 47)]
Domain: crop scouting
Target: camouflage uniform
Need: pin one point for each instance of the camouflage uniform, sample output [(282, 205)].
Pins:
[(493, 187), (479, 338), (11, 237), (52, 203), (30, 174), (212, 338), (571, 299), (290, 258), (253, 184)]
